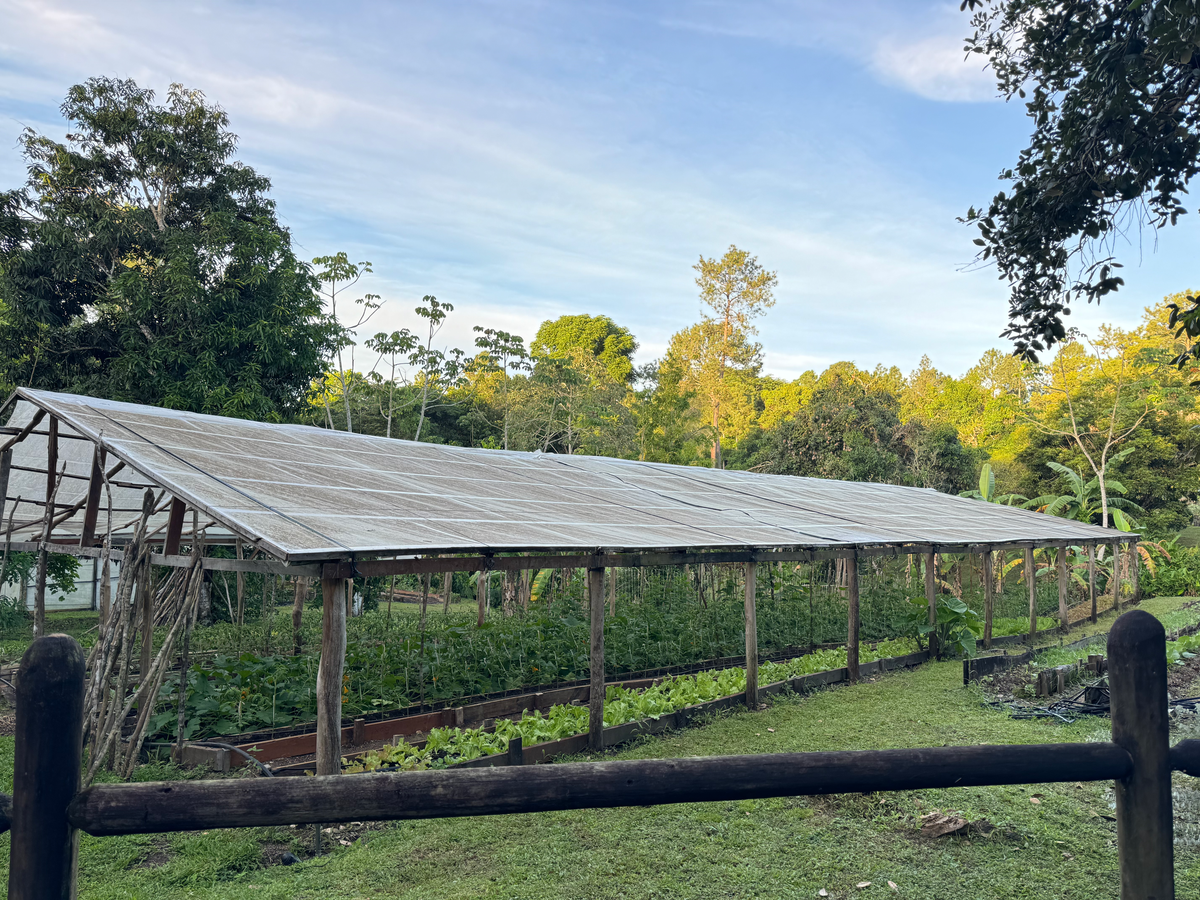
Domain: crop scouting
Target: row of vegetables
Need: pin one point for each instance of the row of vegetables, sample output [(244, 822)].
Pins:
[(447, 746)]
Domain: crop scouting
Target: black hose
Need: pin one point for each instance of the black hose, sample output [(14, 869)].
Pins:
[(263, 767)]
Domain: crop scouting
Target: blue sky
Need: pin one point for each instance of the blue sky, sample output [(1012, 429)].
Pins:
[(525, 159)]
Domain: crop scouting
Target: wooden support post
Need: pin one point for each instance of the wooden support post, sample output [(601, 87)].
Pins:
[(5, 470), (596, 692), (1092, 579), (1064, 615), (931, 595), (329, 676), (298, 613), (989, 598), (43, 557), (612, 592), (349, 599), (174, 527), (240, 580), (1135, 573), (1116, 575), (852, 626), (145, 599), (1031, 586), (46, 772), (1137, 676), (481, 596), (91, 509), (447, 590), (751, 637)]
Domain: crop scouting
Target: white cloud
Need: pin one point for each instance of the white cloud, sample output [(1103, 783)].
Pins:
[(935, 68)]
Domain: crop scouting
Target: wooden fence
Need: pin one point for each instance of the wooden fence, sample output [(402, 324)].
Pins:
[(48, 809)]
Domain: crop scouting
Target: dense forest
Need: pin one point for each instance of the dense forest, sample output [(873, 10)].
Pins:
[(141, 261)]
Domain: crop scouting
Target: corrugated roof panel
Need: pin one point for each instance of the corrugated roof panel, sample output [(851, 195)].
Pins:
[(310, 493)]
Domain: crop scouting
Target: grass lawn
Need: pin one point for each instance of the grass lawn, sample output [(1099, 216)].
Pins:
[(1060, 847)]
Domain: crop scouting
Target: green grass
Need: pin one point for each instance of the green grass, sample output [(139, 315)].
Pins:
[(786, 847)]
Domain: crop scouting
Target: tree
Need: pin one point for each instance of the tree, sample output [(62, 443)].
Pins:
[(846, 431), (142, 262), (612, 345), (1100, 403), (503, 356), (338, 275), (737, 290), (1112, 90), (1082, 501), (722, 375)]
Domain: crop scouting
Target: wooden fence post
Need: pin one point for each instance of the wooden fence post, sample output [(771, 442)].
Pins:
[(481, 596), (852, 628), (989, 599), (46, 771), (1092, 579), (931, 595), (1137, 674), (298, 613), (1031, 585), (751, 637), (596, 693), (329, 675), (1064, 615)]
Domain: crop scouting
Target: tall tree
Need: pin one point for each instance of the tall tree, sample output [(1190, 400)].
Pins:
[(503, 355), (1112, 90), (736, 290), (611, 344), (142, 262), (337, 275)]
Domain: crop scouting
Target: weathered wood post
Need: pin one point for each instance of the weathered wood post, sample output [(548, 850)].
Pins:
[(46, 771), (298, 612), (751, 636), (989, 598), (1092, 579), (1031, 586), (1064, 615), (1135, 573), (329, 673), (612, 591), (481, 596), (931, 595), (852, 625), (596, 692), (1116, 575), (1137, 675)]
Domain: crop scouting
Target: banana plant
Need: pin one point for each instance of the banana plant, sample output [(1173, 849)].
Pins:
[(987, 489), (1082, 500)]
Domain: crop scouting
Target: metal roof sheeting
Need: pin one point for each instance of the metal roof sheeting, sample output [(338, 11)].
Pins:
[(304, 493)]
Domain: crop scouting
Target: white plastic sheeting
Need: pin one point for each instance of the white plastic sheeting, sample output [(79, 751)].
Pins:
[(305, 493)]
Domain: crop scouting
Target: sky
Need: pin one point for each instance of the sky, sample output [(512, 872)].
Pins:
[(523, 160)]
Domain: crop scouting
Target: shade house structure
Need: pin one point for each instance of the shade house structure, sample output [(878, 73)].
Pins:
[(332, 505)]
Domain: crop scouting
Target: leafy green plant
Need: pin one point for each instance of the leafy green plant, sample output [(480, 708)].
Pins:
[(957, 627)]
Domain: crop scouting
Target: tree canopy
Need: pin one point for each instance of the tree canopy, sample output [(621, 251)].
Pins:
[(611, 344), (142, 262), (1113, 89)]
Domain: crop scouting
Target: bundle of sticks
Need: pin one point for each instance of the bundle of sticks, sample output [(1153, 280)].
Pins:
[(111, 696)]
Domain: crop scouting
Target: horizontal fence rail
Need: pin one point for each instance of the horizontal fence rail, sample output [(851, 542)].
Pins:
[(49, 810), (111, 809)]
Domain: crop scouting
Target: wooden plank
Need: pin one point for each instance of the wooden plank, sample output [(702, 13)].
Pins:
[(1031, 586), (989, 597), (91, 509), (329, 677), (110, 809), (174, 527), (1064, 616), (1137, 678), (751, 637), (596, 658), (46, 770)]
